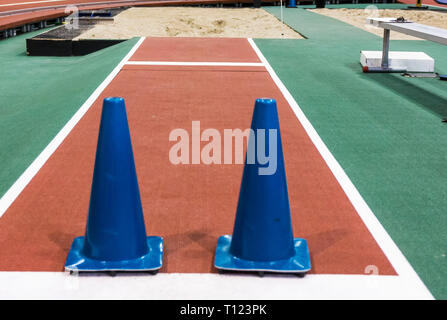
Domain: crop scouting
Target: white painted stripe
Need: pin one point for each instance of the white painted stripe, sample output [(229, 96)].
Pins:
[(206, 64), (166, 286), (31, 2), (15, 190), (390, 249)]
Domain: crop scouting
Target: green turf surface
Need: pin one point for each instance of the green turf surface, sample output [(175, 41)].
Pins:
[(385, 130), (39, 95)]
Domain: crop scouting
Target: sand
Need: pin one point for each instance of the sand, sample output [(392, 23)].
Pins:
[(357, 17), (192, 22)]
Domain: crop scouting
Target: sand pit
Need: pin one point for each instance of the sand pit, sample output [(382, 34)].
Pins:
[(357, 17), (192, 22)]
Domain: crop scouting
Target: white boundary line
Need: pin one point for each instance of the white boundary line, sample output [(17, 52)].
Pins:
[(390, 249), (169, 286), (213, 64), (14, 191)]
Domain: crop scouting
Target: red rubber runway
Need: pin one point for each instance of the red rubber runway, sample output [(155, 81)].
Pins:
[(190, 206), (424, 2), (196, 50)]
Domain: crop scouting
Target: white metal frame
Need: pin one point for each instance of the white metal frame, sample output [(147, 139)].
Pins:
[(407, 27)]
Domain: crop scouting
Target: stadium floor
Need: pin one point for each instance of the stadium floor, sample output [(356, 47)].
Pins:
[(384, 130)]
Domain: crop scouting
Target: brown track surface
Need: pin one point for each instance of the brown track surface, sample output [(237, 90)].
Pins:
[(424, 2), (19, 20), (188, 205), (196, 50)]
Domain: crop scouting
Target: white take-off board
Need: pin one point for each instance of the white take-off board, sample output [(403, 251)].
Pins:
[(409, 61)]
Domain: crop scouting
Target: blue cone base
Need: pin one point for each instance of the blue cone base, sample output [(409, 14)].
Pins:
[(299, 263), (152, 261)]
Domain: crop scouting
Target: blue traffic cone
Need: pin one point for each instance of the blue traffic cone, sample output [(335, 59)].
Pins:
[(263, 237), (115, 238), (292, 4)]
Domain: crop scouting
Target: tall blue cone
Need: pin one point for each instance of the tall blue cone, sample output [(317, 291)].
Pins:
[(292, 4), (263, 237), (115, 238)]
